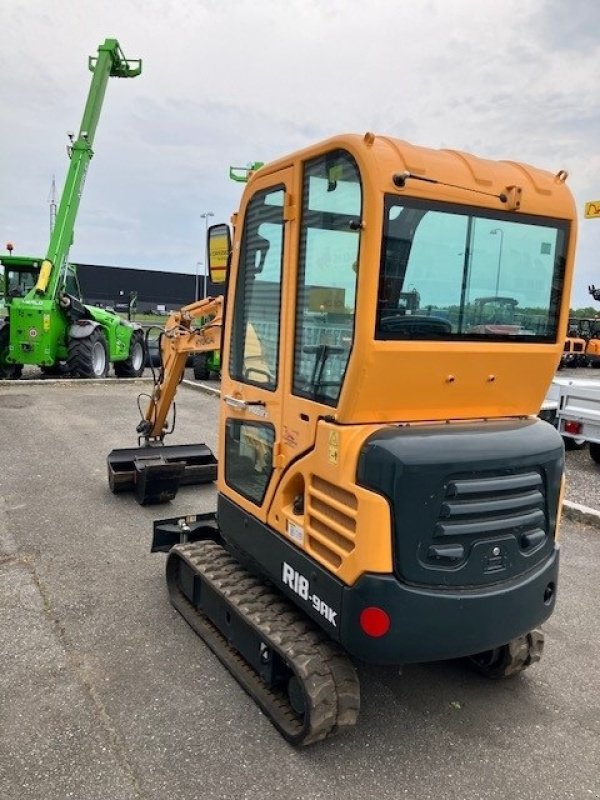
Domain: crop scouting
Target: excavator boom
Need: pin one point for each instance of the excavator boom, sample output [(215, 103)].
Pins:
[(155, 470)]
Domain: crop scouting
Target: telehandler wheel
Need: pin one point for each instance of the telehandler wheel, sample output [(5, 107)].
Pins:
[(595, 452), (7, 371), (88, 358), (200, 366), (133, 366), (512, 658)]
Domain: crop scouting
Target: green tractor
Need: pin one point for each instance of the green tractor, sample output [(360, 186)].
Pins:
[(207, 365), (43, 321)]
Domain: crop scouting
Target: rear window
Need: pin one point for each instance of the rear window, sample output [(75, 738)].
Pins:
[(458, 272)]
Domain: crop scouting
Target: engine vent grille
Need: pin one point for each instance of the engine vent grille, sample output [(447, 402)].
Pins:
[(331, 521), (491, 506)]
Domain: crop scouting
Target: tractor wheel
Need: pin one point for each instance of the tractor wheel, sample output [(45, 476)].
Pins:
[(88, 358), (200, 366), (7, 371), (133, 366), (595, 452)]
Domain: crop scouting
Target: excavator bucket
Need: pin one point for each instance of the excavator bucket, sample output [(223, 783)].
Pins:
[(155, 473)]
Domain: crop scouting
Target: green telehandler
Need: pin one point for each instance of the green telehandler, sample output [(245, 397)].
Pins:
[(44, 321)]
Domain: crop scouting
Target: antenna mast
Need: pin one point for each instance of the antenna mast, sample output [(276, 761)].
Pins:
[(52, 201)]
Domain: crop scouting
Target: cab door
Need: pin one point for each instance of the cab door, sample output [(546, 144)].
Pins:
[(252, 381)]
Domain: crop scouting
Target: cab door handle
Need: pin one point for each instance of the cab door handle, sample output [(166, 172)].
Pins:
[(235, 402), (256, 407)]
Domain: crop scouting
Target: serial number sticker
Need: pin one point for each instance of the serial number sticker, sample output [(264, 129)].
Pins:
[(295, 532)]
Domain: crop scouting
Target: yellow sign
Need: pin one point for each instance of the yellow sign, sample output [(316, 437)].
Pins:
[(592, 209), (218, 257)]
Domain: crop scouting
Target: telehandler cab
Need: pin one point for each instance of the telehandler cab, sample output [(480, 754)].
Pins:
[(385, 489)]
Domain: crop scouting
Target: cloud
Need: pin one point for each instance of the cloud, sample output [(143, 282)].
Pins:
[(227, 83)]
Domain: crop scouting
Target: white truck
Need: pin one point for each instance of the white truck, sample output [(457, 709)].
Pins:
[(573, 406)]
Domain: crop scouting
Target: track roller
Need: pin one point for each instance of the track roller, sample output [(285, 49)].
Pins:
[(302, 681)]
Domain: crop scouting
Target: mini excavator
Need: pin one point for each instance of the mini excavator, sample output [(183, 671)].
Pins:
[(386, 491)]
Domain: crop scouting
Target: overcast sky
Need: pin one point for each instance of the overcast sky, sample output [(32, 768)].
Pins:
[(226, 82)]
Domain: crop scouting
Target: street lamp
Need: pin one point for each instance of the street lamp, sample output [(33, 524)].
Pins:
[(205, 217), (198, 265), (493, 232)]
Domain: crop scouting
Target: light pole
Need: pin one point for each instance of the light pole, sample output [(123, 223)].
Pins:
[(493, 232), (205, 217), (198, 265)]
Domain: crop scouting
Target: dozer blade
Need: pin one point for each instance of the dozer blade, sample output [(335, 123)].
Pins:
[(155, 473)]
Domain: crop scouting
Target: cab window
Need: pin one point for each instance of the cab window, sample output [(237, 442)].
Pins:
[(255, 333), (72, 285), (327, 275)]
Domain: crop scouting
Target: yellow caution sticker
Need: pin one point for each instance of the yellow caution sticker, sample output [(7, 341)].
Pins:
[(334, 446)]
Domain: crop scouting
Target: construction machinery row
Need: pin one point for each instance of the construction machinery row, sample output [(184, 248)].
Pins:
[(582, 342)]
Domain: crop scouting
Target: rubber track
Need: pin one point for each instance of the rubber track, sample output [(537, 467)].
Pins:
[(512, 658), (328, 678), (523, 652)]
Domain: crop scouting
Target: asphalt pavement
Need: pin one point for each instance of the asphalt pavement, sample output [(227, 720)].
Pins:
[(107, 693)]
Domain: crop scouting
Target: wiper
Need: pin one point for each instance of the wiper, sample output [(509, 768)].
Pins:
[(321, 353)]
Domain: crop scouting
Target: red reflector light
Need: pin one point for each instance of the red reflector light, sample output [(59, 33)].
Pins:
[(374, 621), (572, 427)]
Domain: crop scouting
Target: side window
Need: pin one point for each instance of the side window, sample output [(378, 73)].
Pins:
[(327, 274), (249, 457), (72, 285), (254, 354)]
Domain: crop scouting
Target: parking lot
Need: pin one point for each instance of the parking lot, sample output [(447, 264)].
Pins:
[(107, 693)]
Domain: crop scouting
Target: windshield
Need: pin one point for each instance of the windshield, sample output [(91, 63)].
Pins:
[(458, 272), (18, 282)]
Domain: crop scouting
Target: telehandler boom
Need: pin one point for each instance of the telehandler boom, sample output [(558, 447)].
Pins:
[(386, 491), (47, 324)]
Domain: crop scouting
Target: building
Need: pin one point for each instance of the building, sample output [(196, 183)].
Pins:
[(156, 289)]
